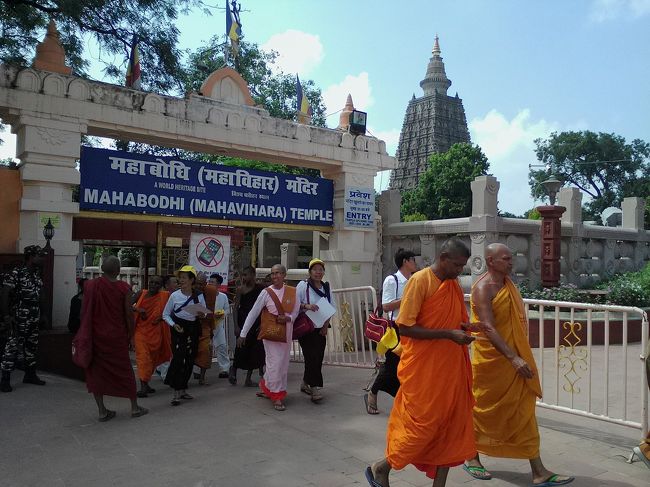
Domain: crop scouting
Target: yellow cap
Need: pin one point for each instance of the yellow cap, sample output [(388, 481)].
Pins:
[(313, 262), (187, 268)]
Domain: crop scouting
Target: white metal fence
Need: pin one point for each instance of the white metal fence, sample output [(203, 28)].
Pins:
[(346, 344), (591, 359)]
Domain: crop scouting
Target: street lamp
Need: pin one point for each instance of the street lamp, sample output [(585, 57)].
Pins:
[(552, 185), (48, 232)]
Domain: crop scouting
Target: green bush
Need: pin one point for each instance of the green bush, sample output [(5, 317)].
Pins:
[(629, 289)]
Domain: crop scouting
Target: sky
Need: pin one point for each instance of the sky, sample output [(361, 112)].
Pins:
[(522, 69)]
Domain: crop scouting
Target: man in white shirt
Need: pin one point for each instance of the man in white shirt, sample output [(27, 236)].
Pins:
[(391, 298)]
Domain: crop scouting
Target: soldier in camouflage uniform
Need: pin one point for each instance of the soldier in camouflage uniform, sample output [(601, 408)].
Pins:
[(22, 315)]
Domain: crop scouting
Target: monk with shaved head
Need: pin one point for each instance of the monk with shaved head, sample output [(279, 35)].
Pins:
[(506, 382), (107, 311), (430, 425)]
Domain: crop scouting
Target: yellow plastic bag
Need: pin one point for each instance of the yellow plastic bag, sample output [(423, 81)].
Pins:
[(388, 341)]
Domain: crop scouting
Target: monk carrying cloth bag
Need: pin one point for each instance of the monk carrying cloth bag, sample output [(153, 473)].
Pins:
[(270, 328), (376, 324)]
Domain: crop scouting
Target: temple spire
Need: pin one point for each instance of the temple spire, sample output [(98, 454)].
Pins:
[(435, 81), (344, 118)]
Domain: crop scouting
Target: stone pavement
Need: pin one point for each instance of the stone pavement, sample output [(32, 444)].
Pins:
[(226, 437)]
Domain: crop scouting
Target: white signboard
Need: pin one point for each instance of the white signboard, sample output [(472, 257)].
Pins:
[(359, 209), (210, 254)]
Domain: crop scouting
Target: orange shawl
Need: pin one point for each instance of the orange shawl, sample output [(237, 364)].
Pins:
[(430, 425), (504, 415), (152, 336)]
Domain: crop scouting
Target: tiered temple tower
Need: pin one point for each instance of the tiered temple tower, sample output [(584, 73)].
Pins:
[(433, 123)]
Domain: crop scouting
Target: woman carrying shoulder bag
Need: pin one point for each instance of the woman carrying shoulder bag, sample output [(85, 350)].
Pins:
[(313, 343)]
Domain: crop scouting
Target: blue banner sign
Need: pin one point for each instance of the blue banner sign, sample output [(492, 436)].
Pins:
[(137, 183)]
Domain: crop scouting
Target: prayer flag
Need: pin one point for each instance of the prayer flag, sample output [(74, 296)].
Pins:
[(233, 25), (302, 103), (133, 71)]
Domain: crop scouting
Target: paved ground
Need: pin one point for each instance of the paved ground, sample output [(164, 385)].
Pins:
[(228, 437)]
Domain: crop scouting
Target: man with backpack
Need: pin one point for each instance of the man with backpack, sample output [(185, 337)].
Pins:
[(391, 298)]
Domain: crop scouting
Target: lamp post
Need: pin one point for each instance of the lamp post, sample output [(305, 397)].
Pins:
[(551, 233), (48, 270)]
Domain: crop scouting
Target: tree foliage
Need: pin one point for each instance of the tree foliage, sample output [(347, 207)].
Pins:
[(444, 189), (601, 165), (273, 90), (111, 24)]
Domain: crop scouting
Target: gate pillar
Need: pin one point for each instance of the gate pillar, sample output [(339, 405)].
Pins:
[(48, 151), (350, 253)]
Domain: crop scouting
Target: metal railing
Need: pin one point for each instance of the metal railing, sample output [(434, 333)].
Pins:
[(346, 344), (590, 359)]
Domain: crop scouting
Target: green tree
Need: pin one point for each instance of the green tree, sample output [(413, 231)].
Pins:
[(109, 23), (444, 189), (600, 164)]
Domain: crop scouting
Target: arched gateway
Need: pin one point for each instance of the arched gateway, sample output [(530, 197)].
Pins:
[(50, 110)]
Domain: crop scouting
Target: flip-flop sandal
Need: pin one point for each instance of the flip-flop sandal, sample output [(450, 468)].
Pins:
[(141, 394), (370, 409), (139, 412), (176, 402), (637, 451), (477, 472), (107, 417), (279, 407), (552, 480), (150, 390), (187, 396), (371, 478)]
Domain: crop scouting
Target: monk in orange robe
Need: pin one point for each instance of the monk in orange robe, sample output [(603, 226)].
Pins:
[(430, 425), (152, 337), (203, 359), (506, 381)]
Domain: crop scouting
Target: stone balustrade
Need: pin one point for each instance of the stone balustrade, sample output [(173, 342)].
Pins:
[(590, 253)]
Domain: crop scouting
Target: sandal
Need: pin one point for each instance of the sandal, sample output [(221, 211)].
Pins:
[(477, 472), (278, 406), (260, 394), (306, 389), (186, 396), (370, 409), (141, 393), (107, 417), (139, 412), (176, 402)]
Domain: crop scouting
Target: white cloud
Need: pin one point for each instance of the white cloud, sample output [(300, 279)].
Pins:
[(391, 137), (604, 10), (298, 52), (334, 96), (509, 146)]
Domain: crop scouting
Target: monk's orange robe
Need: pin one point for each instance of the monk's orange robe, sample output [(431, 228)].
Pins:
[(430, 425), (504, 415), (152, 337), (204, 354)]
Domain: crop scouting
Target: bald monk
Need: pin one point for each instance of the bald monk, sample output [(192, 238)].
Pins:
[(430, 425), (152, 337), (506, 382), (107, 310), (203, 359)]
